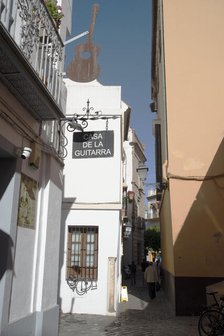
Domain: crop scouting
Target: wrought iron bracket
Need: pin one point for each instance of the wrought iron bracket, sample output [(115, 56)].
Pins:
[(79, 122), (81, 285)]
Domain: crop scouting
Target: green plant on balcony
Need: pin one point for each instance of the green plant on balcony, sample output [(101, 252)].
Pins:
[(55, 11)]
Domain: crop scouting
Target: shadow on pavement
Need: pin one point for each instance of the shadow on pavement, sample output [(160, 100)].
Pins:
[(139, 302), (139, 316), (142, 316)]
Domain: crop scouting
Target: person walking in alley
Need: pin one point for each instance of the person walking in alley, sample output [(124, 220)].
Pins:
[(151, 278)]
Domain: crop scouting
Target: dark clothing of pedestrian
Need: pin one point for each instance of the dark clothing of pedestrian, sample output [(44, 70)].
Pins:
[(151, 277), (143, 265), (152, 289)]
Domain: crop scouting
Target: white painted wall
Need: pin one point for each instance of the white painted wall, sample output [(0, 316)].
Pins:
[(29, 289), (22, 280), (95, 301), (87, 179), (92, 195), (94, 180), (135, 154), (35, 276), (105, 98)]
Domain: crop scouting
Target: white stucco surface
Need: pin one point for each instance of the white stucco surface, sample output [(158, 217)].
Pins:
[(94, 179), (93, 194), (95, 301)]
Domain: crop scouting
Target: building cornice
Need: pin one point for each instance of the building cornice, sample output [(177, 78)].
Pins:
[(71, 205)]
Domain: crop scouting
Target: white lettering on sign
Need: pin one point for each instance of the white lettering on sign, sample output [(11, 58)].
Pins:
[(87, 144), (93, 136), (95, 144), (91, 152)]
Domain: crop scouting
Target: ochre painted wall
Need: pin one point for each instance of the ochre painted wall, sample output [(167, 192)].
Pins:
[(198, 228), (194, 65)]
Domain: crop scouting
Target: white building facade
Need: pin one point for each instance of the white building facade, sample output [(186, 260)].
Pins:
[(135, 200), (92, 203), (32, 99), (152, 212)]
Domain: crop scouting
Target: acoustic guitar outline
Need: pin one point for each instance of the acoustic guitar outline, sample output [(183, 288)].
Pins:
[(86, 69)]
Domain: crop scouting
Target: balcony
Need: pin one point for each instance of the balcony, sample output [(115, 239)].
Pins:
[(153, 211), (31, 57), (151, 194), (152, 215)]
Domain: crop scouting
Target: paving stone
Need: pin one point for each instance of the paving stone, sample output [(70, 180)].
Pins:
[(140, 316)]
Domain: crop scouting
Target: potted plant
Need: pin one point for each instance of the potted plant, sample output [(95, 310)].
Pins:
[(55, 11)]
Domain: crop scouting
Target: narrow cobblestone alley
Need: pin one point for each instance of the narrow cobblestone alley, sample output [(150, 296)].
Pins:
[(139, 316)]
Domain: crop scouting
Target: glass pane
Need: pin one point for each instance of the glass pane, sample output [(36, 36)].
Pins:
[(76, 237), (89, 261), (77, 260), (90, 237), (77, 248), (90, 248)]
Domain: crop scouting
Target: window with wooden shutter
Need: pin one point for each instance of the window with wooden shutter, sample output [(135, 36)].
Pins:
[(82, 256)]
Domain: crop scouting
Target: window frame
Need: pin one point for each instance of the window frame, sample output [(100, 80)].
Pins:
[(82, 252)]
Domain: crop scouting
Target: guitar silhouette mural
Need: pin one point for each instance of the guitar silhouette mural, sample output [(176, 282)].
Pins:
[(84, 68)]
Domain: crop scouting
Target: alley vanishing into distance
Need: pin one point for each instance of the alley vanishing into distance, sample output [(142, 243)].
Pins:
[(140, 316), (82, 198)]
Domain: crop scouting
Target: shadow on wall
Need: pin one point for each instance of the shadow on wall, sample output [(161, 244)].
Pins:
[(199, 248), (66, 208), (7, 169), (6, 259)]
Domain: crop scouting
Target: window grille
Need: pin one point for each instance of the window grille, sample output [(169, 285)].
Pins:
[(82, 260)]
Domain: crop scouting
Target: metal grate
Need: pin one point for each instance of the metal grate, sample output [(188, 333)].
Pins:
[(82, 261)]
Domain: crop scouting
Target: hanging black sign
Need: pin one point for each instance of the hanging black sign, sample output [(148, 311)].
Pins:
[(95, 144)]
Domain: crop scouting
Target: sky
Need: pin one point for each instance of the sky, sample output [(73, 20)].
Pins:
[(123, 33)]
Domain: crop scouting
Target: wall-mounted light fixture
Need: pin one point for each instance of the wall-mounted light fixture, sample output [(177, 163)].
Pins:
[(142, 171), (78, 122), (162, 186)]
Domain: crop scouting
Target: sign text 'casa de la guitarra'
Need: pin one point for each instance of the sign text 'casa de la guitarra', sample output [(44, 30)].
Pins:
[(95, 144)]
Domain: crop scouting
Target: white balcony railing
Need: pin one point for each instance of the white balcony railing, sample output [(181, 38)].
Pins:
[(32, 29)]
